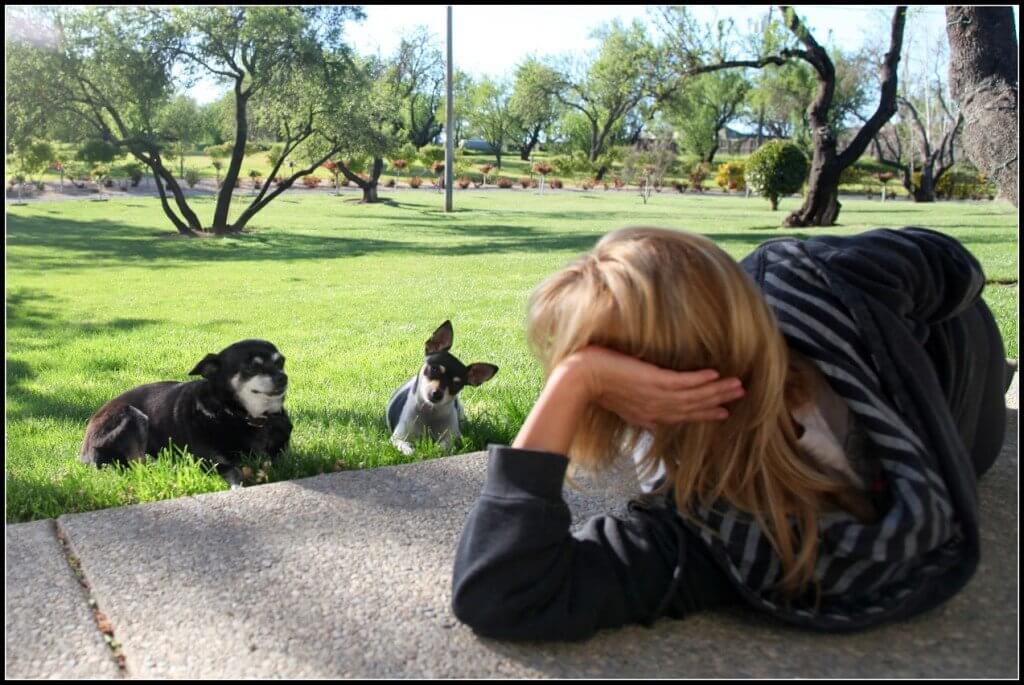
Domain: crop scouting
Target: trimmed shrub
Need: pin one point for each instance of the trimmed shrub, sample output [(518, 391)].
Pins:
[(680, 186), (431, 153), (527, 182), (730, 176), (437, 167), (587, 184), (133, 170), (415, 181), (504, 182), (964, 184), (542, 168), (311, 181), (556, 183), (464, 182), (697, 175), (96, 150), (192, 176), (776, 168), (219, 151), (390, 183)]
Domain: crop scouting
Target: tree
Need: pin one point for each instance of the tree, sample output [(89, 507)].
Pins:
[(921, 169), (34, 157), (361, 128), (983, 80), (289, 63), (117, 68), (417, 75), (181, 124), (491, 114), (776, 168), (532, 104), (703, 106), (624, 72), (688, 53)]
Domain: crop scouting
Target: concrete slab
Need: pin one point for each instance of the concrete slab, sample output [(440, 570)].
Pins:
[(349, 575), (49, 629)]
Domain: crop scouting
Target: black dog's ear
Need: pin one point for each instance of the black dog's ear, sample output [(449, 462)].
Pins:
[(479, 373), (441, 340), (206, 368)]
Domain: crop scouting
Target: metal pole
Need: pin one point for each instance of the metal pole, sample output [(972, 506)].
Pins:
[(449, 134)]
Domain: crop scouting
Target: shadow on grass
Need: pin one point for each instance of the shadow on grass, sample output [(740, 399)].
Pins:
[(39, 327), (75, 245)]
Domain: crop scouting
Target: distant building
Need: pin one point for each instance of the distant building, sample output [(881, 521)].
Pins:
[(477, 145), (733, 142)]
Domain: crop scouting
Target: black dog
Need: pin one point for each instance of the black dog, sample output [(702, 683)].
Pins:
[(237, 408)]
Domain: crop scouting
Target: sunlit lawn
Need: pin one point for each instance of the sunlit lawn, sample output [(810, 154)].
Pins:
[(101, 296)]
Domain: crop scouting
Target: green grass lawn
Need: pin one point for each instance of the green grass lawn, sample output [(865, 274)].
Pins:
[(102, 296)]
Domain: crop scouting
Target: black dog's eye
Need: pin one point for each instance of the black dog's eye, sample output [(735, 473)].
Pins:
[(280, 362)]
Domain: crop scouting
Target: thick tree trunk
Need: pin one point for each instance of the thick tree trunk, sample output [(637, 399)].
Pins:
[(526, 150), (220, 213), (710, 156), (926, 191), (821, 205), (368, 185), (983, 80)]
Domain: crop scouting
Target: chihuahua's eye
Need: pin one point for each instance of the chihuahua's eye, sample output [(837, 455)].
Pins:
[(432, 370)]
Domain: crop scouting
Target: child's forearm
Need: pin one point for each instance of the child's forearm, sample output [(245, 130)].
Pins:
[(552, 422)]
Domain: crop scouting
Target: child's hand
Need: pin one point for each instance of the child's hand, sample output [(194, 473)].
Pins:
[(647, 395)]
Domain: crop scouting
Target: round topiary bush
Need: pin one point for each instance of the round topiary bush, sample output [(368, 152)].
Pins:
[(776, 168)]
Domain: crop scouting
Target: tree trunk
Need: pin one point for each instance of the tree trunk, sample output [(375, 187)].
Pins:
[(526, 150), (370, 187), (498, 155), (983, 80), (926, 191), (220, 213), (821, 206)]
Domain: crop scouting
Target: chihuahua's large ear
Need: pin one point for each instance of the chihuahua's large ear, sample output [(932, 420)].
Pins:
[(479, 373), (206, 368), (441, 340)]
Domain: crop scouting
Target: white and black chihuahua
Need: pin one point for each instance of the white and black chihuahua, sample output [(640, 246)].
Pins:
[(427, 404), (236, 408)]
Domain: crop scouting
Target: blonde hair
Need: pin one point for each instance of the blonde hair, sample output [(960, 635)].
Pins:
[(678, 301)]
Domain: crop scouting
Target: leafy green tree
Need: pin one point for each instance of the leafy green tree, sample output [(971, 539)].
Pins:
[(533, 106), (181, 124), (624, 72), (34, 157), (287, 64), (689, 52), (703, 106), (361, 128), (491, 115), (417, 76), (776, 168)]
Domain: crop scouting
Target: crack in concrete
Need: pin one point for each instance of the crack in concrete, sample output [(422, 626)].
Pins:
[(103, 624)]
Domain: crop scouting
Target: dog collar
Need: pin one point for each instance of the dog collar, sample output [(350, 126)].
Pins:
[(254, 421)]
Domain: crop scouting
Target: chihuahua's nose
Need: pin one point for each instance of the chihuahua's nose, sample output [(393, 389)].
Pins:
[(280, 380), (436, 395)]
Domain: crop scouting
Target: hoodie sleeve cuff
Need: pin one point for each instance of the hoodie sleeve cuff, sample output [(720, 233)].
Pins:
[(520, 473)]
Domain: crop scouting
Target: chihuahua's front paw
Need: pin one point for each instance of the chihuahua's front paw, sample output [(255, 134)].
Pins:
[(402, 446)]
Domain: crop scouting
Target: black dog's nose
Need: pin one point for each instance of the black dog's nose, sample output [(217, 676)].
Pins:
[(280, 381), (436, 396)]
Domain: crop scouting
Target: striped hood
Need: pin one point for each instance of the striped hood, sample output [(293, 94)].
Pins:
[(923, 547)]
